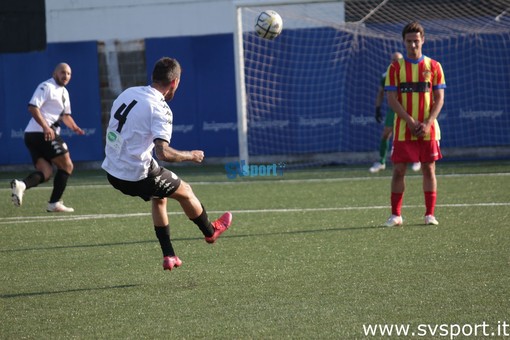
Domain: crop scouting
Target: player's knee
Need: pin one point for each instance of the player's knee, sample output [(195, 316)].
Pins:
[(188, 191), (46, 176), (69, 167), (399, 171), (64, 163), (184, 192), (428, 169)]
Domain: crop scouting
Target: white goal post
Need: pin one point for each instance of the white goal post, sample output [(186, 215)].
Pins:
[(242, 111)]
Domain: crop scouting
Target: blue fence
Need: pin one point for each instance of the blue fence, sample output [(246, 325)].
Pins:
[(476, 113)]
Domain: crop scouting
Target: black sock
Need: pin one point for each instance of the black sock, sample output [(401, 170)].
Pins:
[(34, 179), (204, 224), (59, 185), (163, 235)]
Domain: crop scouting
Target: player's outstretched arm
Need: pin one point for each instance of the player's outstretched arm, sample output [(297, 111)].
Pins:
[(166, 153), (70, 123)]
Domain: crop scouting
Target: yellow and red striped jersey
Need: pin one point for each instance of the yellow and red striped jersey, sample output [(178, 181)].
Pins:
[(415, 80)]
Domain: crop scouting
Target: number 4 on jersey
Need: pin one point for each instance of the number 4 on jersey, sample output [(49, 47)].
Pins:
[(122, 112)]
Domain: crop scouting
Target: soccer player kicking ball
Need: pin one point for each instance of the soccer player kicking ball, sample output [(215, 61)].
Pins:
[(140, 122), (415, 87)]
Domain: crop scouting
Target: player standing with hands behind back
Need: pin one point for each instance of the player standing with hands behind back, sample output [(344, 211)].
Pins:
[(49, 105), (140, 122), (415, 89)]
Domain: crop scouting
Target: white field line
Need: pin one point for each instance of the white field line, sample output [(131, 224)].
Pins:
[(65, 218), (276, 180)]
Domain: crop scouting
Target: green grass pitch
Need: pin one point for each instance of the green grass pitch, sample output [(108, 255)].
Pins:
[(305, 258)]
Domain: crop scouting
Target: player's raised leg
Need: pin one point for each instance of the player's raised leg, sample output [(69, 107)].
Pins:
[(197, 213)]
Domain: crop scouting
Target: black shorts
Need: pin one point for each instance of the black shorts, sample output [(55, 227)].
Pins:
[(40, 148), (160, 183)]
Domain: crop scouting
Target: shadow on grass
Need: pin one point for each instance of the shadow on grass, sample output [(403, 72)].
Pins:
[(10, 296), (309, 231), (112, 244)]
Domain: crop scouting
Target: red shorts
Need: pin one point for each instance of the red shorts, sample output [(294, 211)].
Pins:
[(424, 151)]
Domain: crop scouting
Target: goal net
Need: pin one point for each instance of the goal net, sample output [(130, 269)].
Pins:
[(309, 95)]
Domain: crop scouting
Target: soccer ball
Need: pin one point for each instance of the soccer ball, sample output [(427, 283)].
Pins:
[(268, 25)]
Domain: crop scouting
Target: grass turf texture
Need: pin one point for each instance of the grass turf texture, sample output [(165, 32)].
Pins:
[(305, 258)]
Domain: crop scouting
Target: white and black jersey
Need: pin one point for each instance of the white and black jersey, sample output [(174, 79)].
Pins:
[(139, 116), (53, 101)]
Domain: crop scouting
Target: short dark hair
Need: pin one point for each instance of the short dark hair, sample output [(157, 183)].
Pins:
[(413, 27), (166, 70)]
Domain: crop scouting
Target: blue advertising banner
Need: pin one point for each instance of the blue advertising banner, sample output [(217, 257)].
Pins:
[(293, 122), (204, 106), (22, 72)]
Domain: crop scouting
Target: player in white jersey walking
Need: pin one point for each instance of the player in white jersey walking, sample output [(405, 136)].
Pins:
[(140, 122), (49, 105)]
